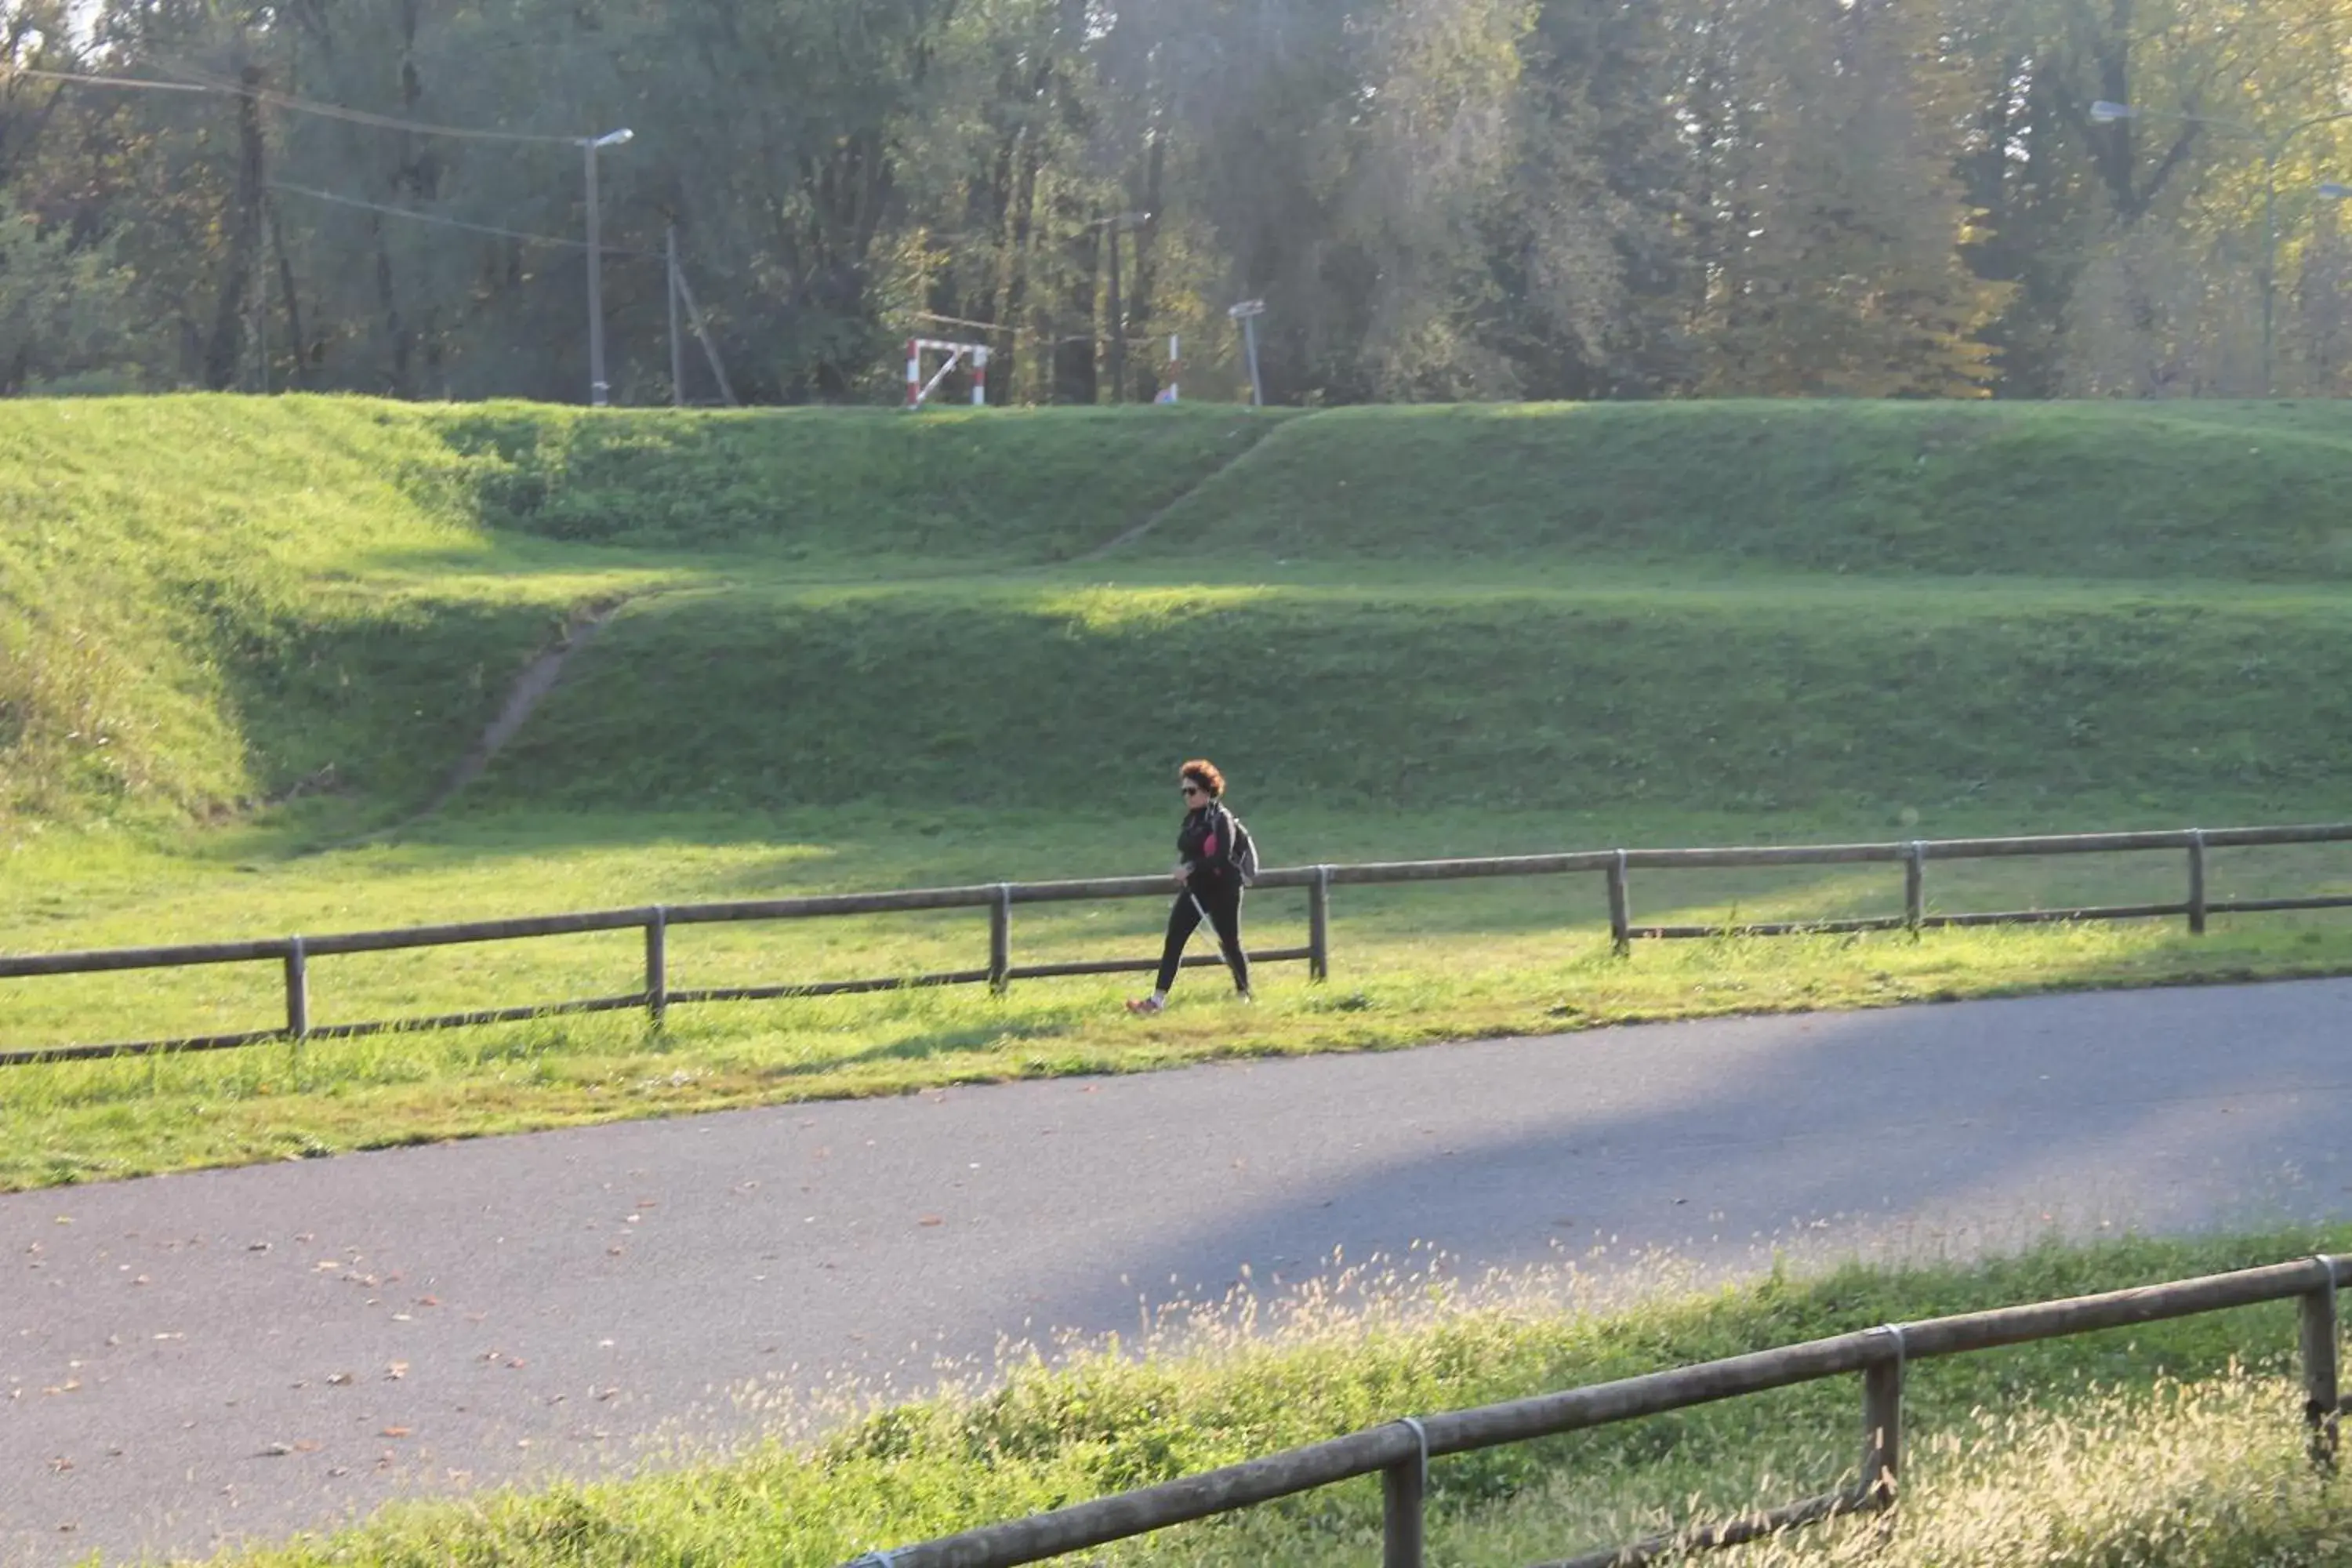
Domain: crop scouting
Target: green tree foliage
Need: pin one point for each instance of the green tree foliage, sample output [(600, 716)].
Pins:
[(1837, 221), (1436, 198), (65, 312)]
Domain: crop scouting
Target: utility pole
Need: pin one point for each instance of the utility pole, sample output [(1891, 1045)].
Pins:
[(676, 342)]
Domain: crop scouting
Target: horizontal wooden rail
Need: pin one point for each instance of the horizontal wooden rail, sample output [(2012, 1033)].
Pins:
[(1879, 1353), (1932, 923), (1000, 898), (2269, 906), (668, 998)]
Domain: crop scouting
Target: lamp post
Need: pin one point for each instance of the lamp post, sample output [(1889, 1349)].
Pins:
[(2274, 148), (599, 389)]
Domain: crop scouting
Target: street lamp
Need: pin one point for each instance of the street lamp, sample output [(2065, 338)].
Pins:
[(2105, 112), (599, 389)]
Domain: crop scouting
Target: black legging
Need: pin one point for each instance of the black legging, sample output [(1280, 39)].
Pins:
[(1224, 906)]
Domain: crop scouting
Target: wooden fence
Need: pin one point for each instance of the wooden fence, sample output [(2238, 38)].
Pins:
[(1400, 1451), (1614, 866)]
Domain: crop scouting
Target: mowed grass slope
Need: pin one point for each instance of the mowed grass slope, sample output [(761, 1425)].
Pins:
[(2056, 611), (948, 490), (198, 606), (2057, 705), (2100, 490), (208, 604)]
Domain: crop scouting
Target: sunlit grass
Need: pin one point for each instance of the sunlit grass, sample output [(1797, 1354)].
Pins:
[(2169, 1445)]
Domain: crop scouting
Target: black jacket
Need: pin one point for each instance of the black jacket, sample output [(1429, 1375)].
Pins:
[(1205, 846)]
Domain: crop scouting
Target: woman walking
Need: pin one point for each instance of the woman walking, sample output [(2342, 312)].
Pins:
[(1210, 876)]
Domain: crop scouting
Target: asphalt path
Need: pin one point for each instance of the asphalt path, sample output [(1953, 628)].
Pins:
[(193, 1359)]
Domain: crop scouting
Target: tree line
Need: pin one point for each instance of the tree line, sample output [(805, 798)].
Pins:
[(1435, 199)]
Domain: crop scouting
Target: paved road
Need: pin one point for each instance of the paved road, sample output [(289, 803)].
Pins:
[(194, 1358)]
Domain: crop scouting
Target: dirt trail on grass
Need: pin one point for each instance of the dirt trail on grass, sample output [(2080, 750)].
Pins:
[(523, 698), (1130, 535)]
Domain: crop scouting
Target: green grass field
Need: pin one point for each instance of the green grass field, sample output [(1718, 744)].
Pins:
[(242, 643), (2178, 1443)]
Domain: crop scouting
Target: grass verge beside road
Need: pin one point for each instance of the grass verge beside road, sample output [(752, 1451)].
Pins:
[(2175, 1445), (1411, 964)]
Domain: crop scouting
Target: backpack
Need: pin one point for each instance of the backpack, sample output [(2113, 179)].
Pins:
[(1242, 854)]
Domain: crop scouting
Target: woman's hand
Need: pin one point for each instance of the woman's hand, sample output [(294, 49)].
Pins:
[(1182, 873)]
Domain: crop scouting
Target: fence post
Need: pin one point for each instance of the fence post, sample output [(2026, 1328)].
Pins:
[(1319, 925), (1000, 939), (2197, 881), (1621, 907), (2319, 1395), (297, 991), (1881, 1425), (1405, 1487), (658, 966), (1915, 885)]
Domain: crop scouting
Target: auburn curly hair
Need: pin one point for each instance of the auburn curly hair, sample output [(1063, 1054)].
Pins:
[(1203, 772)]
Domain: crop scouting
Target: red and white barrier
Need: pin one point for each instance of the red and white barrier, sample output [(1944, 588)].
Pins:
[(919, 391)]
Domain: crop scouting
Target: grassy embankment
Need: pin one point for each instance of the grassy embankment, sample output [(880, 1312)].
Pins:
[(2174, 1445), (858, 650)]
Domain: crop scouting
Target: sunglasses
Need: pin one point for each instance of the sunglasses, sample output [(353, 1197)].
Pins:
[(1193, 789)]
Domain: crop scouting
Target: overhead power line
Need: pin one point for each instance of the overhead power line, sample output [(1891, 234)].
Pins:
[(31, 75), (337, 111), (451, 222), (1030, 334), (296, 105), (288, 100)]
